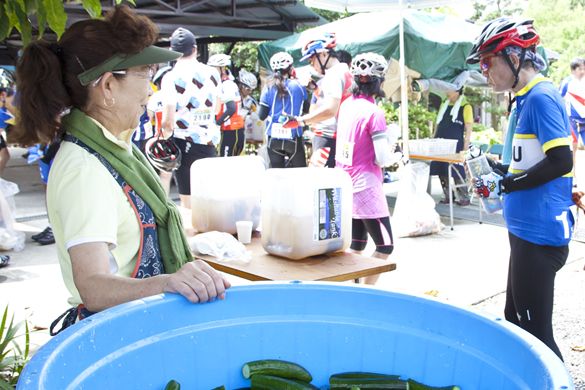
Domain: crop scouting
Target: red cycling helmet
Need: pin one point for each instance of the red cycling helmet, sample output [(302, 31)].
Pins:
[(501, 33)]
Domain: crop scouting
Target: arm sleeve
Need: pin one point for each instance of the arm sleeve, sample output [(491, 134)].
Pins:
[(377, 130), (382, 149), (263, 112), (230, 109), (558, 162)]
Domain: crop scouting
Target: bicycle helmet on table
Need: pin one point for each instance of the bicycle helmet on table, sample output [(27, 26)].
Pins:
[(504, 32), (163, 154), (281, 60), (369, 64), (248, 79), (219, 60)]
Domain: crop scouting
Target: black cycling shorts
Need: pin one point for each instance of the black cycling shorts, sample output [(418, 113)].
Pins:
[(190, 152), (378, 228)]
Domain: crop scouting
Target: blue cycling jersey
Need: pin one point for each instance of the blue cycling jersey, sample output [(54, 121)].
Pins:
[(540, 215), (291, 104)]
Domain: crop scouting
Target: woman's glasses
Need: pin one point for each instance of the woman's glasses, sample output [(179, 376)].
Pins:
[(147, 74)]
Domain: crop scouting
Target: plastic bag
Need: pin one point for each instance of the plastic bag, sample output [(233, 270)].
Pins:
[(10, 239), (414, 213), (221, 245)]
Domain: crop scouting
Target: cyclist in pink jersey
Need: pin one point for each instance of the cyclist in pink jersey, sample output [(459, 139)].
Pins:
[(362, 150)]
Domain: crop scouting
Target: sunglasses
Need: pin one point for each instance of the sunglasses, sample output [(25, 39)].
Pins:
[(485, 63)]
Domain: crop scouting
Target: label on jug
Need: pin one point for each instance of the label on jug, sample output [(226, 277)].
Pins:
[(327, 215)]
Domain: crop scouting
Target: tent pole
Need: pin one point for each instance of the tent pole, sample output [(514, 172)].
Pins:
[(403, 87)]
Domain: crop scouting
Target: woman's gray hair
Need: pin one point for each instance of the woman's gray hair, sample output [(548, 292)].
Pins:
[(537, 60)]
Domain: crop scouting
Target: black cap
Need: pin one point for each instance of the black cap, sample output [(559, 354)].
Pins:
[(183, 41)]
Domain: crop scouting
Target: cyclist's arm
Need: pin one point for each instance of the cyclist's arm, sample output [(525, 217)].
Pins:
[(263, 111), (558, 162), (327, 109), (230, 109)]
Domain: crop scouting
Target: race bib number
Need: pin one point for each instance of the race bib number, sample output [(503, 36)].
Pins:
[(202, 117), (280, 132), (345, 154)]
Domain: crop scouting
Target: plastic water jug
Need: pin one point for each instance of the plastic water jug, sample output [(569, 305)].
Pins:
[(306, 211), (225, 190)]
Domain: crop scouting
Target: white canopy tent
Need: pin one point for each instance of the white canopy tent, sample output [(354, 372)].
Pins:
[(355, 6)]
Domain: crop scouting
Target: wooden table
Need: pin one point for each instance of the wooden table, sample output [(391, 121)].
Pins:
[(451, 159), (338, 267)]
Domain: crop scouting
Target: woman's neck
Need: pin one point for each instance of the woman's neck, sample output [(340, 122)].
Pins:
[(107, 119)]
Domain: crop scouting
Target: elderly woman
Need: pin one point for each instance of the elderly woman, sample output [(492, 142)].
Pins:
[(118, 237)]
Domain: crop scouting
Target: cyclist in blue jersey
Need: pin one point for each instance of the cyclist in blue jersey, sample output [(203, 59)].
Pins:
[(283, 96), (537, 184), (6, 112)]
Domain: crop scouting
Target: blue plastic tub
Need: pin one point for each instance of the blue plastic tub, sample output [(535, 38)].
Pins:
[(327, 328)]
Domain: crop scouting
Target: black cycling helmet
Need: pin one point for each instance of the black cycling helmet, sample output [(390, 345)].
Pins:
[(163, 154)]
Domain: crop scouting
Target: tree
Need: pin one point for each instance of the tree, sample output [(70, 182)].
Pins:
[(47, 13), (559, 23), (487, 10)]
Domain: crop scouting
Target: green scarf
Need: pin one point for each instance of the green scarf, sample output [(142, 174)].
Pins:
[(138, 173)]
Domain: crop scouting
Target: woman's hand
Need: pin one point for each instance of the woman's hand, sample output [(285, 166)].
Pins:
[(198, 282)]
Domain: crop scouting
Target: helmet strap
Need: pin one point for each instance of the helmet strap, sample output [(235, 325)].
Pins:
[(324, 65), (515, 71)]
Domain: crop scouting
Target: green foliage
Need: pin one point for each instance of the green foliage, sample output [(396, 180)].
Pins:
[(12, 356), (486, 10), (559, 23), (476, 96), (330, 16), (16, 14), (419, 118), (244, 54), (485, 135)]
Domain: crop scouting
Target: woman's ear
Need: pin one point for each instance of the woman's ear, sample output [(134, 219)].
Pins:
[(105, 84)]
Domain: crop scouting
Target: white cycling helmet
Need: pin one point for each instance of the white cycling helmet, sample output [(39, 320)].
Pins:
[(281, 60), (248, 79), (219, 60), (369, 64)]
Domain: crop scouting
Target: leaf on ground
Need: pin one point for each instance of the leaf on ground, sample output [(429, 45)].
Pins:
[(578, 348), (433, 293)]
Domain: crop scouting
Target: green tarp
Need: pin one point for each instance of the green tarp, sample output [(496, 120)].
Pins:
[(436, 45)]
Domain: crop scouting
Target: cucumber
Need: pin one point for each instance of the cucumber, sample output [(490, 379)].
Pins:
[(414, 385), (173, 385), (361, 374), (267, 382), (280, 368), (366, 380)]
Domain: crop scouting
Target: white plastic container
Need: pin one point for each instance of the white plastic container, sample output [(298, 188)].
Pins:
[(225, 190), (306, 211), (479, 166)]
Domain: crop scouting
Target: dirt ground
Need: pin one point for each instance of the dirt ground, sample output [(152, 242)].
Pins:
[(567, 317)]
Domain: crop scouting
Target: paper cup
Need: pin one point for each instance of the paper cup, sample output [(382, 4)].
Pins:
[(244, 229)]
